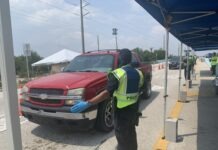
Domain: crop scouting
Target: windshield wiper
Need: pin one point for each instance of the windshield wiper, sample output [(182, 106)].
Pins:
[(68, 71)]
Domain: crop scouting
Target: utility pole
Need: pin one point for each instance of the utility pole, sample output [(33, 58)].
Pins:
[(178, 49), (82, 26), (27, 53), (156, 57), (98, 42), (115, 34)]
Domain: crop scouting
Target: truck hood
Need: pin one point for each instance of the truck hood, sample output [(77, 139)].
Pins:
[(67, 80)]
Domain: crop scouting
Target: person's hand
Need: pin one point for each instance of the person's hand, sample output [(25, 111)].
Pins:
[(80, 106)]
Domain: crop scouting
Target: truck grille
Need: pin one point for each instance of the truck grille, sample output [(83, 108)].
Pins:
[(48, 102), (47, 91)]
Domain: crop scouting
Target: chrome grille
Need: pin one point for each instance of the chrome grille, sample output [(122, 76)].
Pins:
[(47, 91), (59, 92)]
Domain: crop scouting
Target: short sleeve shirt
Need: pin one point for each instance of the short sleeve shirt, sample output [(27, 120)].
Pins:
[(112, 84)]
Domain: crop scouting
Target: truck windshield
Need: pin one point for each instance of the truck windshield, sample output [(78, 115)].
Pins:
[(91, 63), (175, 59)]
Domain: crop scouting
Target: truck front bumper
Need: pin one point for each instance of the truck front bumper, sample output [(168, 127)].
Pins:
[(59, 116)]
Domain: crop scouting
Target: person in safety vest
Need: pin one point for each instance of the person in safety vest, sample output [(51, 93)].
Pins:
[(187, 72), (213, 63), (192, 63), (216, 68), (124, 85)]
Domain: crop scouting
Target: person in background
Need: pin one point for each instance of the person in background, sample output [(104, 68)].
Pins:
[(213, 63), (124, 85), (216, 69), (187, 73), (192, 60)]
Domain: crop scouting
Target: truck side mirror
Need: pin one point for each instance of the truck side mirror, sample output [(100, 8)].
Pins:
[(135, 64)]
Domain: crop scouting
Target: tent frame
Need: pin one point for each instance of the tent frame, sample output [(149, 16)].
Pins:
[(167, 24)]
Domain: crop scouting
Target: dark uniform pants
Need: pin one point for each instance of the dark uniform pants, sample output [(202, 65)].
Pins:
[(189, 73), (125, 131), (213, 69)]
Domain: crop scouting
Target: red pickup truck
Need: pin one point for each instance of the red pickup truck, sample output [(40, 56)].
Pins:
[(48, 99)]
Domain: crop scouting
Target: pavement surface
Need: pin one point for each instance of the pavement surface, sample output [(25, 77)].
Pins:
[(35, 137), (198, 121)]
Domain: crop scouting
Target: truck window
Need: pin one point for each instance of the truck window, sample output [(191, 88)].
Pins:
[(91, 63)]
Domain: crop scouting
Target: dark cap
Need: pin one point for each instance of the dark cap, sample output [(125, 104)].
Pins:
[(125, 56)]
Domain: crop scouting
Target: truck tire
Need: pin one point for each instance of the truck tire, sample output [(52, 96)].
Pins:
[(147, 90), (105, 119)]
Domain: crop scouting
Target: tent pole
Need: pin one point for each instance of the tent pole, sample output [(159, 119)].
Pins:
[(187, 65), (180, 72), (165, 81), (7, 66)]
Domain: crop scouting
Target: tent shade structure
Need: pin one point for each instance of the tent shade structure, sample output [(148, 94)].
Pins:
[(193, 22), (62, 56)]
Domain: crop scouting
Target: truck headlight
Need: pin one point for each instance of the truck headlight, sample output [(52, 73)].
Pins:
[(24, 92), (25, 89), (77, 93)]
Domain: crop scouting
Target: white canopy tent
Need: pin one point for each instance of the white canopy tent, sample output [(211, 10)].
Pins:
[(62, 56)]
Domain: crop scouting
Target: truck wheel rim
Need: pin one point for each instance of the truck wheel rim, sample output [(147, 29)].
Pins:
[(109, 115)]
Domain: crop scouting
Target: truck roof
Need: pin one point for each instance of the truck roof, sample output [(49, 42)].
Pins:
[(105, 51)]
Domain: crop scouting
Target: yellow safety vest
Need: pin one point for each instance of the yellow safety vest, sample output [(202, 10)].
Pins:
[(213, 60), (123, 98)]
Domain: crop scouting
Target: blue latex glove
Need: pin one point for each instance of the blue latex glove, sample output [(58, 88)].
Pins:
[(80, 106)]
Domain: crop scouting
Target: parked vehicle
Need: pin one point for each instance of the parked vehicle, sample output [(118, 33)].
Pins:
[(174, 63), (48, 99)]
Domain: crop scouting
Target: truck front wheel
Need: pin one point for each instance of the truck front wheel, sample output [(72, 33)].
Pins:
[(105, 119), (147, 90)]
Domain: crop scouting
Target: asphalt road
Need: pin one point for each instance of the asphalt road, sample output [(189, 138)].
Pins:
[(35, 137)]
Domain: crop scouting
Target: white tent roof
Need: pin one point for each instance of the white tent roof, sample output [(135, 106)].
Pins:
[(62, 56)]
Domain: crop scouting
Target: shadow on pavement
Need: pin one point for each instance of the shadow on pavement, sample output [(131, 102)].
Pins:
[(81, 138), (205, 73), (145, 102), (69, 137), (207, 136)]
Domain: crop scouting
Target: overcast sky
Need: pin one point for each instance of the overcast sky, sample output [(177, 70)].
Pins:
[(52, 25)]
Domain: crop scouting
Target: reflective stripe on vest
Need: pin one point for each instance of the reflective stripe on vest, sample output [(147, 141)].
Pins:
[(191, 60), (141, 81), (123, 98)]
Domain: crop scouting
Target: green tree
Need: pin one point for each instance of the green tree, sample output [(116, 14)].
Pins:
[(139, 51), (160, 54), (151, 54), (20, 64)]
